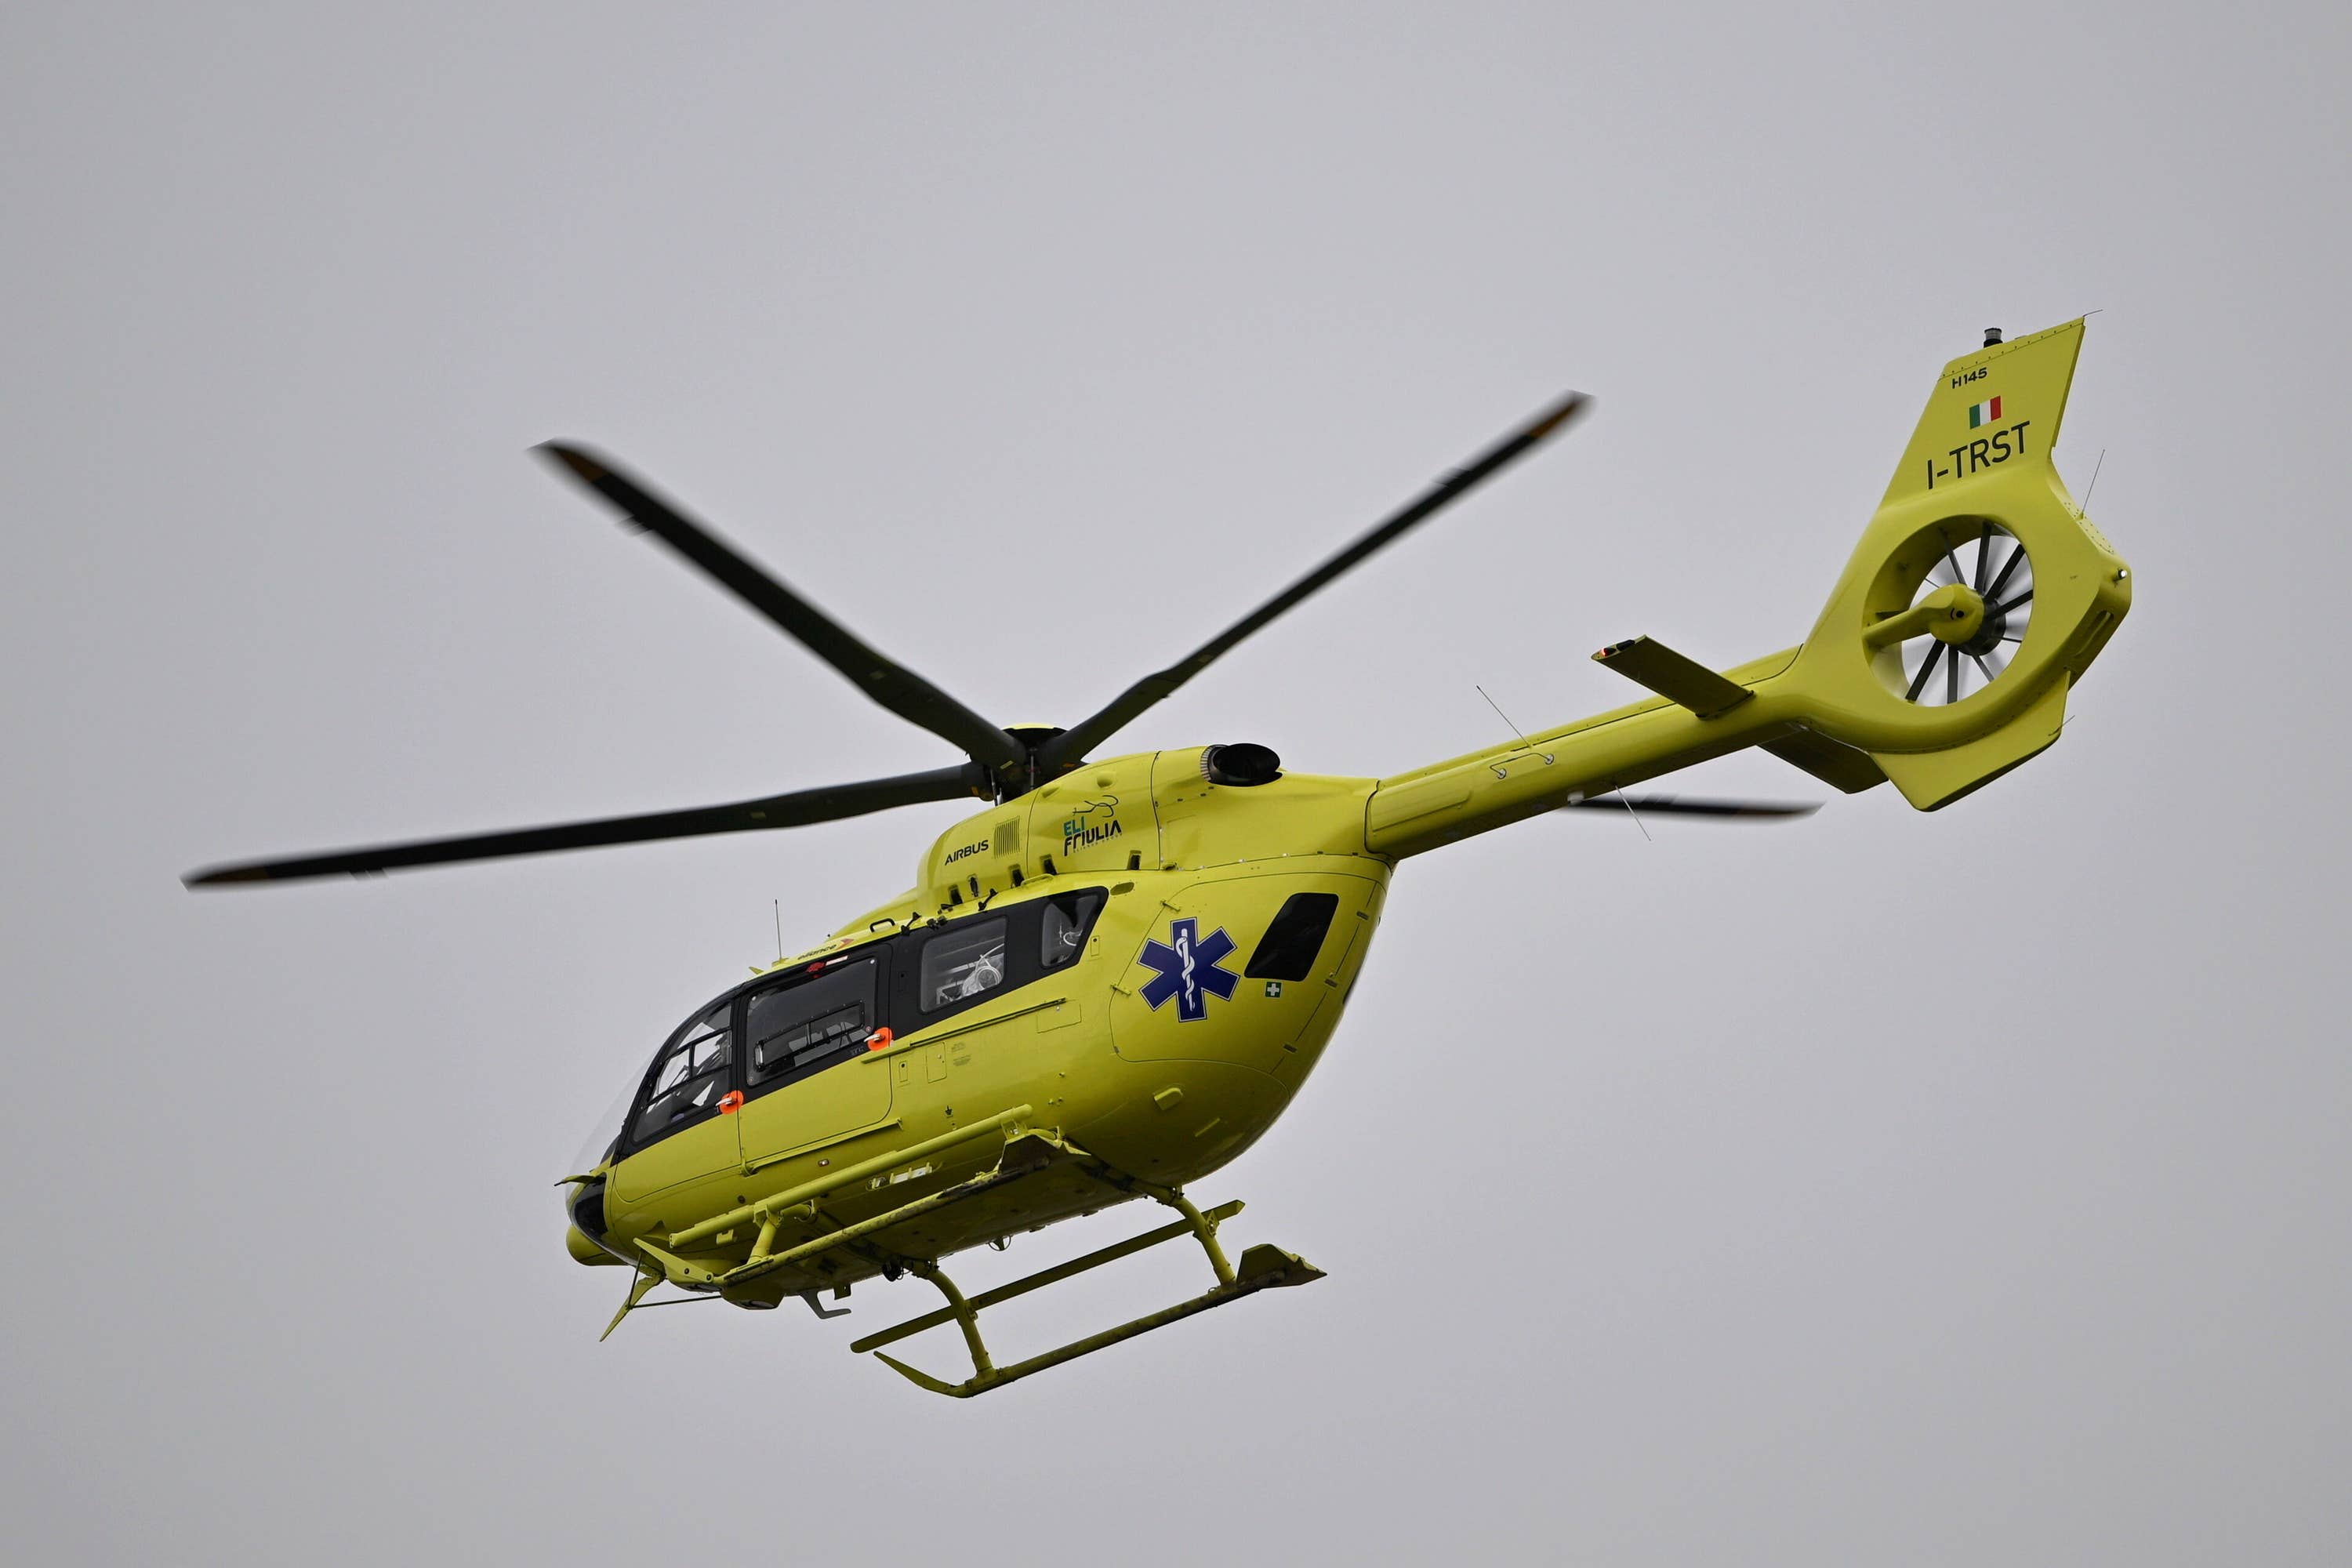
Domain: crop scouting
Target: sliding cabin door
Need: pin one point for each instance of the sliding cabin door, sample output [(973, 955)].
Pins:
[(809, 1074)]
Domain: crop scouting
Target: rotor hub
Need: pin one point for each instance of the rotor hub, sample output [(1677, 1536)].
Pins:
[(1992, 630), (1959, 614)]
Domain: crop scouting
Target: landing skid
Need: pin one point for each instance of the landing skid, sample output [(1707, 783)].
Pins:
[(1025, 1154), (1263, 1267)]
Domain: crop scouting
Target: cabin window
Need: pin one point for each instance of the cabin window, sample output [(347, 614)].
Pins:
[(965, 961), (794, 1029), (690, 1075), (1288, 949), (1064, 933)]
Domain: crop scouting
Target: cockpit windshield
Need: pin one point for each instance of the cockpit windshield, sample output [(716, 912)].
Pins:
[(691, 1074), (607, 1132)]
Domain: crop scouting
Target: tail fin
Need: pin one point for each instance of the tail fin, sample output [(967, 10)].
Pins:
[(1998, 405), (1978, 595)]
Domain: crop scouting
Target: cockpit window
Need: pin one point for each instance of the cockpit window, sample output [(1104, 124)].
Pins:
[(689, 1075), (804, 1025), (962, 961), (1063, 934)]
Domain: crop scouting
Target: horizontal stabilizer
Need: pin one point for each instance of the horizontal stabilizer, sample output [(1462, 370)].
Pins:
[(1673, 677)]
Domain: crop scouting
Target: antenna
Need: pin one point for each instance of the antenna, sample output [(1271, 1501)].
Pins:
[(2085, 507), (1506, 718), (1514, 729), (778, 905), (1635, 814)]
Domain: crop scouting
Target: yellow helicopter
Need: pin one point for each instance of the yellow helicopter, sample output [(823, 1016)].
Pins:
[(1112, 979)]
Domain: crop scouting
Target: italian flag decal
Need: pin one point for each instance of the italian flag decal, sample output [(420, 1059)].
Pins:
[(1983, 413)]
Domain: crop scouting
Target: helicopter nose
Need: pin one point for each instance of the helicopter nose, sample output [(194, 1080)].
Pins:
[(584, 1238)]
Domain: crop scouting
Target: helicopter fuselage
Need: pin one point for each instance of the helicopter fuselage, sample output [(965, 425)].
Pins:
[(1150, 961)]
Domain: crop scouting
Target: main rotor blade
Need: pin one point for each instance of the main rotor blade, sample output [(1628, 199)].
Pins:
[(887, 682), (1682, 806), (1089, 733), (794, 810)]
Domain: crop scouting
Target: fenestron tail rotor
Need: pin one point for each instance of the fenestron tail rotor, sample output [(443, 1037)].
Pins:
[(1966, 618)]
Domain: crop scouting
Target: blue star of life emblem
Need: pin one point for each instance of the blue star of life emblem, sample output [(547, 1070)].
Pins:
[(1187, 964)]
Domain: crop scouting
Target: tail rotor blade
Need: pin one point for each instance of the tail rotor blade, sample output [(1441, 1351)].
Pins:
[(1926, 669)]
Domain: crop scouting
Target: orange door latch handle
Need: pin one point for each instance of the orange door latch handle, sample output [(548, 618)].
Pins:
[(879, 1040), (730, 1102)]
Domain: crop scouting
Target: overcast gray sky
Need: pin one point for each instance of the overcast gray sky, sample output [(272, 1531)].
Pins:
[(1768, 1199)]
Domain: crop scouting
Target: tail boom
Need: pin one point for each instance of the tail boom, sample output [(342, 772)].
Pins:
[(1419, 810)]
